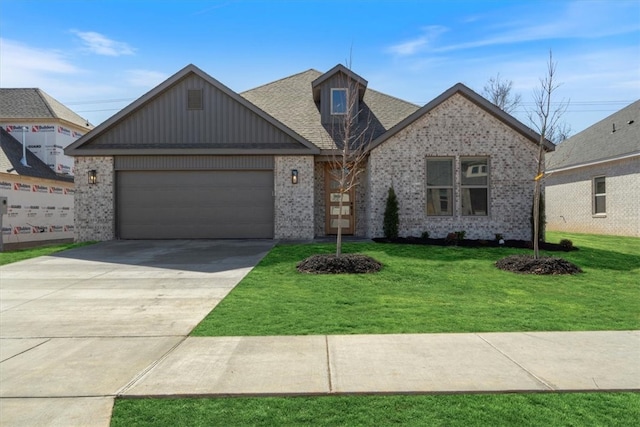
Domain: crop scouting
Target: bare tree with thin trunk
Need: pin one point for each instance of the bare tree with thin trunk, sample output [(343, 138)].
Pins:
[(544, 118), (351, 135), (499, 93)]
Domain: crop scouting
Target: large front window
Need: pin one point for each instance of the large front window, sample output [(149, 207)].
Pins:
[(474, 186), (338, 101), (440, 187)]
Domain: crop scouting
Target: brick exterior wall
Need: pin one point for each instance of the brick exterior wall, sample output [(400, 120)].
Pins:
[(294, 203), (570, 199), (456, 128), (94, 204)]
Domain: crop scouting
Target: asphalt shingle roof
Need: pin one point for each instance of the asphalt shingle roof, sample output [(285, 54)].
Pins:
[(599, 142), (11, 156), (33, 103), (290, 101)]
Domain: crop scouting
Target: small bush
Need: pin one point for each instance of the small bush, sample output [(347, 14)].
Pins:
[(451, 238), (425, 235), (460, 235), (499, 237), (566, 244)]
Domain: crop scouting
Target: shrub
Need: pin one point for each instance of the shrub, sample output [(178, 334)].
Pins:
[(499, 236), (391, 220), (455, 237), (566, 244), (425, 235)]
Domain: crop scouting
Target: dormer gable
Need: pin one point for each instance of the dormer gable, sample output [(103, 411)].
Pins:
[(338, 93)]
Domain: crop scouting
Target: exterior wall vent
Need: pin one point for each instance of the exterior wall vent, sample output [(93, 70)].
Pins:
[(194, 99)]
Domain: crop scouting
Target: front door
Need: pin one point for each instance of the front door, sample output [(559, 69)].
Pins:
[(333, 196)]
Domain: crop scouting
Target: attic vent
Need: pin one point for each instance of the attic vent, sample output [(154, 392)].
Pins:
[(194, 99)]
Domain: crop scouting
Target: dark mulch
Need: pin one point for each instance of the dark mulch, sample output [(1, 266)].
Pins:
[(346, 263), (470, 243), (544, 265)]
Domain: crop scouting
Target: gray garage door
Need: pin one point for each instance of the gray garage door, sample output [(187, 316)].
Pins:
[(194, 204)]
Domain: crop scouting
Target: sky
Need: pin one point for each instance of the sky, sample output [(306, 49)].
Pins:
[(98, 56)]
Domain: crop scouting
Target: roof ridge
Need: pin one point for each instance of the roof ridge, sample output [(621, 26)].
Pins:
[(41, 93), (280, 79)]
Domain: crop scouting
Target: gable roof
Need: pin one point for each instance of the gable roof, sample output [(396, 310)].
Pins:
[(11, 156), (290, 101), (33, 104), (472, 96), (614, 137), (359, 81), (83, 146)]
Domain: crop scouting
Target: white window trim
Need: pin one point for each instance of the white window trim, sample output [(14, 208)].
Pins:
[(346, 100), (594, 195)]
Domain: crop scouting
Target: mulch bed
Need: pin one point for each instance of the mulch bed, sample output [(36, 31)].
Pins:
[(526, 264), (470, 243), (346, 263)]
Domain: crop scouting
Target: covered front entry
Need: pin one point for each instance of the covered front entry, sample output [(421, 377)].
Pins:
[(194, 204), (332, 204)]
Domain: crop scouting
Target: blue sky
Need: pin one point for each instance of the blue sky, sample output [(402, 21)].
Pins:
[(97, 56)]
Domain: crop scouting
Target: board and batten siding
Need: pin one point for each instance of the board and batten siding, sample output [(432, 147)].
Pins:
[(166, 121), (193, 163)]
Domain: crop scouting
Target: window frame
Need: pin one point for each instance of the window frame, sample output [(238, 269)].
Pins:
[(346, 102), (595, 195), (486, 185), (451, 188)]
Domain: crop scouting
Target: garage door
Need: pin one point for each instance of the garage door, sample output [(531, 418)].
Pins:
[(195, 204)]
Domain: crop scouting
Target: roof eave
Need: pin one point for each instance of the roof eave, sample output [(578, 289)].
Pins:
[(191, 152)]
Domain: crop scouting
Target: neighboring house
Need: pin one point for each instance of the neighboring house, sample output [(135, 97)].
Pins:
[(45, 125), (593, 178), (193, 159), (39, 201)]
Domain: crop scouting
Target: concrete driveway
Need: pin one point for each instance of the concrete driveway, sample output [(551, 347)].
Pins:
[(77, 327)]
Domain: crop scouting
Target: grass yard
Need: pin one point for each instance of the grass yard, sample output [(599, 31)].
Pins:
[(22, 254), (531, 409), (429, 289)]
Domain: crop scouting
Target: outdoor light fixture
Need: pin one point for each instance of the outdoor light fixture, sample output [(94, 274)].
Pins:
[(294, 176), (93, 176)]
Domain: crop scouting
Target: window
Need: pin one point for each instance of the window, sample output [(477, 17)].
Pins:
[(194, 99), (440, 187), (599, 196), (338, 101), (474, 186)]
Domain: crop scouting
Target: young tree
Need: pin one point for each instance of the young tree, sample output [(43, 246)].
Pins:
[(499, 93), (544, 118), (351, 135)]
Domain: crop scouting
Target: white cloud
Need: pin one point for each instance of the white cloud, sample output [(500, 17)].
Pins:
[(101, 45), (145, 78), (26, 66), (411, 47)]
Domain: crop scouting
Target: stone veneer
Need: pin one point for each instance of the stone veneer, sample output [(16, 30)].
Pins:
[(569, 201), (456, 128), (294, 203), (94, 204)]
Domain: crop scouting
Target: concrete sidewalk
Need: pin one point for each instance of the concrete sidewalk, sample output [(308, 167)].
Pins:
[(413, 363)]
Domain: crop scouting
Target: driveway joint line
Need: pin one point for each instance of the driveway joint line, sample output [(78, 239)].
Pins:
[(26, 350), (534, 376), (329, 373), (149, 368)]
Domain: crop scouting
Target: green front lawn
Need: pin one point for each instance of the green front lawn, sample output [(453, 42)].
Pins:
[(21, 254), (424, 289), (529, 409)]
